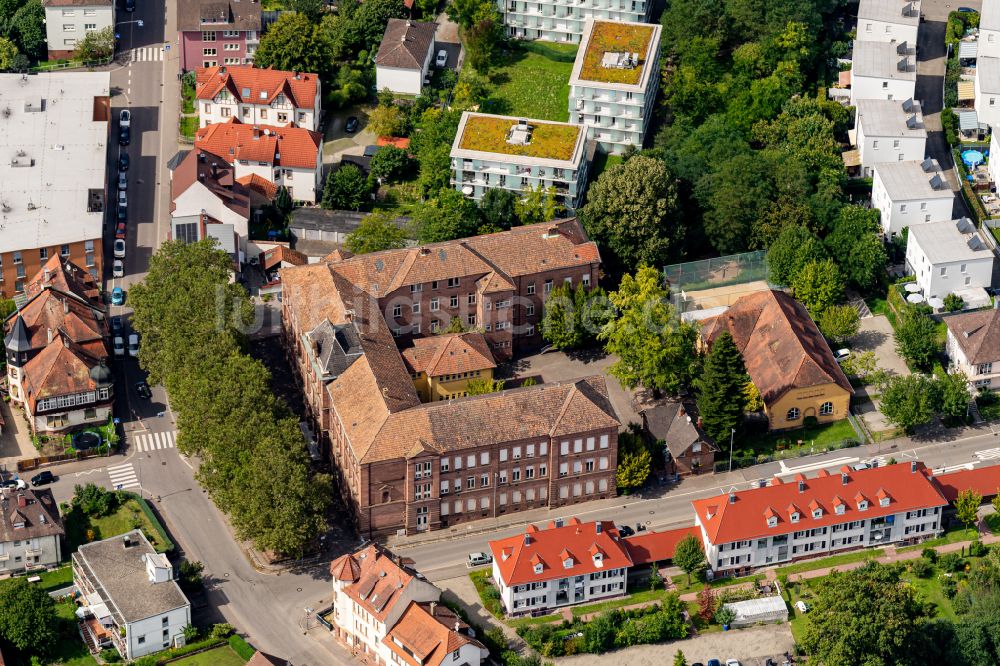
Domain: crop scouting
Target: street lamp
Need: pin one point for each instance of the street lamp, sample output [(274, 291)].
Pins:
[(732, 433)]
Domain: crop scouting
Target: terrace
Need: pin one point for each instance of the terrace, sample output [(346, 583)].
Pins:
[(609, 39), (506, 136)]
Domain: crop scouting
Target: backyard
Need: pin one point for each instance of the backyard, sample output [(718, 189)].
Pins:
[(82, 528), (532, 80), (54, 579), (220, 656), (800, 442)]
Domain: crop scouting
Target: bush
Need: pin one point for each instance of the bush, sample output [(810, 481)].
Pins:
[(810, 422), (496, 636), (949, 586), (922, 568), (724, 615), (930, 555), (952, 562), (978, 549), (94, 500), (222, 630), (110, 656), (241, 647)]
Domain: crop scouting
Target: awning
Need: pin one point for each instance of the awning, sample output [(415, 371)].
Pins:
[(852, 158), (966, 91), (844, 79), (968, 121), (968, 50), (852, 137)]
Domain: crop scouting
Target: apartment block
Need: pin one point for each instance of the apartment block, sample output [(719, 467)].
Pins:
[(950, 257), (910, 193), (889, 21), (880, 70), (215, 33), (518, 154), (563, 20), (53, 185), (31, 530), (257, 96), (888, 131), (613, 85), (68, 22)]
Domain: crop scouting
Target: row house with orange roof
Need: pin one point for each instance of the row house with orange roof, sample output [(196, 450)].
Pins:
[(828, 513), (289, 157), (257, 95), (385, 612)]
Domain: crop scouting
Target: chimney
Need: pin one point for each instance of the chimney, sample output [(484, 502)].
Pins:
[(21, 501), (49, 331), (424, 251), (732, 498), (256, 132), (843, 478), (913, 466), (552, 232), (65, 306), (599, 527), (527, 539), (126, 541), (433, 606), (458, 625), (48, 275), (802, 486)]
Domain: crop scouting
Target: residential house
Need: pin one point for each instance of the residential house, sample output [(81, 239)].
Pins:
[(910, 193), (407, 465), (808, 517), (403, 62), (880, 70), (787, 358), (689, 449), (53, 184), (949, 258), (613, 85), (993, 166), (973, 345), (387, 613), (206, 197), (289, 157), (888, 131), (987, 79), (890, 21), (564, 20), (67, 22), (31, 531), (443, 365), (217, 32), (518, 154), (989, 30), (567, 563), (255, 95), (57, 356), (129, 596)]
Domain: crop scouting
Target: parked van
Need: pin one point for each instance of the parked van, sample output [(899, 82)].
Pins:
[(478, 559)]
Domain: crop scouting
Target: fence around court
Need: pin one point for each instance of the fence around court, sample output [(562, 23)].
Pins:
[(710, 282)]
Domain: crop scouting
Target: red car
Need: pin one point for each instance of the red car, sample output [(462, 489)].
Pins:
[(120, 231)]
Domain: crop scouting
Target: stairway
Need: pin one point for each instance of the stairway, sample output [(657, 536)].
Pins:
[(974, 412)]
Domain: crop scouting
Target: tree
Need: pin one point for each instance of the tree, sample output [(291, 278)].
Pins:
[(464, 12), (571, 318), (390, 163), (283, 201), (865, 616), (482, 38), (94, 500), (967, 506), (27, 616), (706, 603), (734, 196), (859, 364), (447, 216), (312, 9), (537, 205), (456, 326), (483, 385), (634, 467), (839, 323), (953, 302), (953, 395), (996, 501), (818, 285), (720, 389), (189, 576), (631, 212), (654, 349), (794, 248), (27, 29), (8, 55), (294, 43), (498, 208), (347, 188), (752, 402), (915, 339), (97, 45), (908, 401), (387, 121), (689, 555), (856, 244), (679, 659), (377, 231), (367, 24)]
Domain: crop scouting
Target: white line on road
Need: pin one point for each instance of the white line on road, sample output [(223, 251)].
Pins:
[(953, 468), (787, 471), (988, 454)]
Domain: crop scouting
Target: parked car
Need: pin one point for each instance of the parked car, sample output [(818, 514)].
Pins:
[(142, 389), (122, 213), (122, 181), (119, 248), (119, 345), (626, 531), (732, 662), (14, 482), (117, 296), (123, 161), (42, 478), (442, 58), (117, 325), (125, 118), (130, 5), (118, 269), (120, 230), (478, 559), (351, 125), (133, 344), (842, 355), (857, 467), (714, 662), (124, 136), (122, 198)]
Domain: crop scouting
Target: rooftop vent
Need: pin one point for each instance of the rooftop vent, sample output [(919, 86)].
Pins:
[(599, 527), (911, 122), (616, 60), (802, 486), (519, 134), (843, 478), (937, 182), (908, 105), (732, 498), (903, 65), (34, 105)]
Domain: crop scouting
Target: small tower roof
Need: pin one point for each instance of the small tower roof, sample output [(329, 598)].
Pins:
[(18, 340)]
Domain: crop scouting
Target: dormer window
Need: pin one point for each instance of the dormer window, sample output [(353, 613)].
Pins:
[(817, 513), (884, 502), (598, 560), (538, 568), (772, 521), (863, 505), (839, 509), (795, 516), (568, 563)]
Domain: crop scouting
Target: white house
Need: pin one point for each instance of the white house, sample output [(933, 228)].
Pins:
[(31, 531), (204, 192), (948, 258), (564, 20), (989, 29), (387, 613), (993, 165), (910, 193), (888, 131), (404, 57), (612, 88), (880, 70), (987, 89), (799, 518), (282, 156), (67, 22), (517, 154), (257, 95), (974, 347), (889, 21), (129, 596)]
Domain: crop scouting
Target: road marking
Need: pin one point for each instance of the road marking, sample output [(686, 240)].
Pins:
[(154, 441), (988, 454), (123, 476), (836, 462), (954, 468), (147, 54)]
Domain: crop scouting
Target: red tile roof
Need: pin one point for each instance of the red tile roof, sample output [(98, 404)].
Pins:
[(725, 521), (427, 640), (259, 184), (281, 254), (256, 85), (657, 546), (449, 354), (984, 480), (63, 275), (278, 146), (516, 556), (216, 175), (397, 141), (380, 583)]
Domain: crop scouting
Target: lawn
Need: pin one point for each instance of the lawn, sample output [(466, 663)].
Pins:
[(532, 80), (952, 535), (220, 656), (602, 162), (786, 444), (129, 516), (69, 650), (188, 126), (548, 140), (187, 94), (833, 561), (680, 581), (640, 597)]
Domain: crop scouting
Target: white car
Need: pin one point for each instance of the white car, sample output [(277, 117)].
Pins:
[(118, 269), (133, 344), (442, 58), (119, 248), (125, 118), (841, 355), (478, 559), (122, 181), (119, 346), (122, 198), (732, 662)]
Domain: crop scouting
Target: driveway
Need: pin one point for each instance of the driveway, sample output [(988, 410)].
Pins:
[(446, 38), (337, 142), (15, 439), (876, 335)]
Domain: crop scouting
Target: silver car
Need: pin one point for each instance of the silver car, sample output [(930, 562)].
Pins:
[(122, 181)]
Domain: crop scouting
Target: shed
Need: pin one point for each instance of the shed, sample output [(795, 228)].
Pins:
[(968, 50), (765, 610)]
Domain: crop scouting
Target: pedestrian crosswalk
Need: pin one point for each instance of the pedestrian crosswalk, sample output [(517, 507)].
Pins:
[(147, 54), (153, 441), (988, 454), (123, 476)]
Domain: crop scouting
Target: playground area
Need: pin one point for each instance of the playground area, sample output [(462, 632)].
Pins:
[(717, 282)]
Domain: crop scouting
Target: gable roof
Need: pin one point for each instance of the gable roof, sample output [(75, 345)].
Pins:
[(280, 146), (977, 334), (216, 175), (676, 423), (257, 85), (405, 44), (744, 514), (449, 354), (380, 583), (53, 313), (425, 639), (282, 254), (984, 480), (198, 15), (781, 345), (34, 509), (61, 274), (649, 547), (516, 557), (62, 368)]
